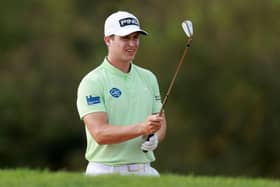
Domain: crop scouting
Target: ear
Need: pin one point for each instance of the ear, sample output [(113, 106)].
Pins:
[(107, 40)]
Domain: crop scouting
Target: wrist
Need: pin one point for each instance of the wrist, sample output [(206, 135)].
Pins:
[(141, 129)]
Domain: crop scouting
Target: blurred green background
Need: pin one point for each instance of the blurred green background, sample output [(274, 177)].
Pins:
[(223, 113)]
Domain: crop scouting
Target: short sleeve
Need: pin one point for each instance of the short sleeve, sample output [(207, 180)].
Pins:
[(90, 97)]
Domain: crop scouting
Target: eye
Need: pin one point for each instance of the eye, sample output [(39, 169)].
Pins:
[(135, 37), (125, 37)]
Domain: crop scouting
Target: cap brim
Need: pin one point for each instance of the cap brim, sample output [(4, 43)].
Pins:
[(129, 31), (143, 32)]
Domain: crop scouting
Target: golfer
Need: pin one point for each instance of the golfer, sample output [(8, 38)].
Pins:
[(119, 104)]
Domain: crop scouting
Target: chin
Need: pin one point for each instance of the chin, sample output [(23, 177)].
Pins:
[(130, 58)]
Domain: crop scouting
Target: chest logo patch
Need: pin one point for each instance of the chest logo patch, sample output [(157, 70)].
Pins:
[(115, 92)]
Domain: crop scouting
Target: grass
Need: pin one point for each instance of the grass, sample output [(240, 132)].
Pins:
[(44, 178)]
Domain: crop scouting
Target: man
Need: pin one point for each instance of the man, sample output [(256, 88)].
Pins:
[(119, 103)]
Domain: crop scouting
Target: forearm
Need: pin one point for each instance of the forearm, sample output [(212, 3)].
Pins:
[(110, 134), (105, 133)]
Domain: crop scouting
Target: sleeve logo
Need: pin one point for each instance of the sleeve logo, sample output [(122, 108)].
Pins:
[(92, 100), (157, 98)]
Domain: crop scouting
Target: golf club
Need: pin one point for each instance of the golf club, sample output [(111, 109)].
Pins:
[(188, 29)]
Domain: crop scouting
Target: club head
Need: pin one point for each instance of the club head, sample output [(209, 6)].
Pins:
[(188, 28)]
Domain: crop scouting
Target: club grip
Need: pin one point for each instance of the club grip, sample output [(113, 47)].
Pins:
[(149, 136)]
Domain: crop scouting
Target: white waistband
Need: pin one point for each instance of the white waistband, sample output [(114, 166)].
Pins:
[(143, 169), (125, 167)]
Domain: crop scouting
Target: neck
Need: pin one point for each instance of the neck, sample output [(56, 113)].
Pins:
[(124, 66)]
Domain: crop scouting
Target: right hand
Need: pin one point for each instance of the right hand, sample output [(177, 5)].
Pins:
[(152, 124)]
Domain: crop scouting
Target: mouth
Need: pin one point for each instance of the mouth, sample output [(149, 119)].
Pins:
[(131, 51)]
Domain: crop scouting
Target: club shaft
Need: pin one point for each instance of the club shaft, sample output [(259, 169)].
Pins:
[(172, 82), (175, 75)]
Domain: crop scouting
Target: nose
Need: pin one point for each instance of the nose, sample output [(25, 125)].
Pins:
[(133, 42)]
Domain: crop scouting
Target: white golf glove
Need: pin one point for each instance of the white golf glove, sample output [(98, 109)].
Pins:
[(151, 144)]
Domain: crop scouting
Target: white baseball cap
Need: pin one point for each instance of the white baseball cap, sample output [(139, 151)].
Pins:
[(122, 23)]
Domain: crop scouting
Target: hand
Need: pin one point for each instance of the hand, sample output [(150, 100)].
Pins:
[(150, 144), (151, 125)]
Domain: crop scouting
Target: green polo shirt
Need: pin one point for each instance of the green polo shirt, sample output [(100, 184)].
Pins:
[(127, 98)]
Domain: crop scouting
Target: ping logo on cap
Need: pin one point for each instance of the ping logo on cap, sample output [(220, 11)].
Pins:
[(128, 21)]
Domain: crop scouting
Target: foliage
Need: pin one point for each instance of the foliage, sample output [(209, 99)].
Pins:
[(222, 113)]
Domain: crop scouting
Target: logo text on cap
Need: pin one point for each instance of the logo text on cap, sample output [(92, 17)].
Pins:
[(128, 21)]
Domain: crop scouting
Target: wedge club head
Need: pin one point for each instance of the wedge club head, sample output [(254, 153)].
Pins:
[(188, 28)]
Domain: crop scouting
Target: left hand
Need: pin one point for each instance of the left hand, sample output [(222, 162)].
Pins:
[(151, 144)]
